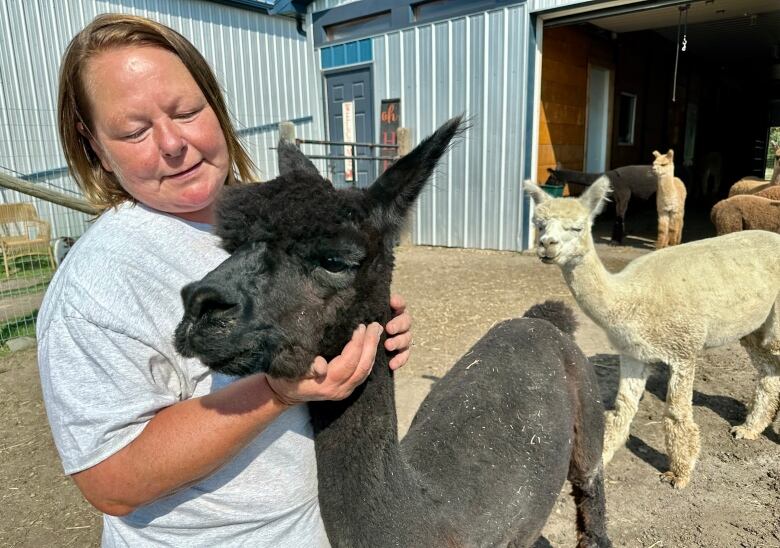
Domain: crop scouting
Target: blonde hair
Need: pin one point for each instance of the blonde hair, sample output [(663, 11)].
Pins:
[(107, 31)]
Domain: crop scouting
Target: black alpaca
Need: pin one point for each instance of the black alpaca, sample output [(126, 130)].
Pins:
[(492, 444), (626, 181)]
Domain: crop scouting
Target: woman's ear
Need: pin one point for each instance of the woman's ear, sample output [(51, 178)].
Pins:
[(93, 144)]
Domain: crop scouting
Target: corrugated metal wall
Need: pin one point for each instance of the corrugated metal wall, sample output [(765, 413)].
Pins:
[(267, 70), (475, 65)]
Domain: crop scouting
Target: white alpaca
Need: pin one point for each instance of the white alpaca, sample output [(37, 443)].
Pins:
[(658, 309)]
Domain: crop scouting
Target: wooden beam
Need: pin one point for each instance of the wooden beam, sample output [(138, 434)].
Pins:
[(12, 183)]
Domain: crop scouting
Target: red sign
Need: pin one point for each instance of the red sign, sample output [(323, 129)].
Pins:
[(389, 122)]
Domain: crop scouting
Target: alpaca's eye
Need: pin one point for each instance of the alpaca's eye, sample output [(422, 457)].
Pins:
[(577, 228), (334, 264)]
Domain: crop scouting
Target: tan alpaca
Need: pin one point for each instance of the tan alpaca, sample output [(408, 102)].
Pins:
[(658, 309), (669, 200), (751, 185), (771, 193)]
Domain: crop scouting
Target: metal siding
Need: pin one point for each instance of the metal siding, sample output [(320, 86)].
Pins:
[(474, 65), (267, 70)]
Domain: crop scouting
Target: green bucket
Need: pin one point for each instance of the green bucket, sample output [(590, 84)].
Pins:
[(556, 191)]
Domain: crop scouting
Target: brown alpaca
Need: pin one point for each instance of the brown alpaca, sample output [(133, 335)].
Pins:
[(752, 185), (669, 200), (746, 212), (771, 193)]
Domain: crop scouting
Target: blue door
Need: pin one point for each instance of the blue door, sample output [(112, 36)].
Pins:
[(351, 85)]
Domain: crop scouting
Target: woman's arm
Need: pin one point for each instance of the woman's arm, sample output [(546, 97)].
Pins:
[(191, 439)]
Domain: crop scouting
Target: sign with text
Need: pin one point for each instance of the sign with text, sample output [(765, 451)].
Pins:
[(389, 122), (348, 120)]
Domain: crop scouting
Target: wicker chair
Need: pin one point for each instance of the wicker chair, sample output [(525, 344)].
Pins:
[(22, 233)]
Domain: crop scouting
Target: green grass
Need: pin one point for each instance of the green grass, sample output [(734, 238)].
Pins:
[(28, 266), (23, 326), (31, 266)]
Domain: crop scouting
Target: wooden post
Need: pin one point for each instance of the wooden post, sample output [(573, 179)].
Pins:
[(287, 132), (404, 148), (12, 183)]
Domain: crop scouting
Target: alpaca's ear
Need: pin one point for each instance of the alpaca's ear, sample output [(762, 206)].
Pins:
[(396, 190), (292, 159), (595, 198), (656, 154), (670, 154), (538, 195)]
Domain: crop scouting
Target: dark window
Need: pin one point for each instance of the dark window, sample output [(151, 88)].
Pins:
[(626, 119), (362, 26), (431, 9)]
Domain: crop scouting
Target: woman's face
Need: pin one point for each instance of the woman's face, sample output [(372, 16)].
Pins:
[(155, 130)]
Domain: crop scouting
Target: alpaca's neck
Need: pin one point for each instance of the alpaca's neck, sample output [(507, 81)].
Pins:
[(592, 285), (668, 176), (361, 474), (776, 174)]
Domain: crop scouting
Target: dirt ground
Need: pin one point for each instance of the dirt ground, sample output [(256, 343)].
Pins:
[(455, 296)]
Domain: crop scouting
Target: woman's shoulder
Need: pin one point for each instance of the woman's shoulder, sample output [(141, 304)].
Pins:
[(130, 253)]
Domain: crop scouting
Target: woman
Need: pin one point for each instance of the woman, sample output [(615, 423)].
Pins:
[(171, 453)]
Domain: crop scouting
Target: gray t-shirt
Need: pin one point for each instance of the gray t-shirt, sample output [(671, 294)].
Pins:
[(108, 364)]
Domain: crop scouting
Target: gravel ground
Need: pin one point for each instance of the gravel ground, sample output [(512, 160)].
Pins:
[(455, 296)]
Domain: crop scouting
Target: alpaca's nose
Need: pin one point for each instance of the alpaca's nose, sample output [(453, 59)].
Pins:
[(201, 299), (548, 240)]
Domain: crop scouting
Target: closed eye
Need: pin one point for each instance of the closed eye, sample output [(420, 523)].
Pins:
[(135, 135), (188, 115)]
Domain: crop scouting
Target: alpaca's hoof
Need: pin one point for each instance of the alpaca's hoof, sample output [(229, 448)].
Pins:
[(744, 433), (676, 481)]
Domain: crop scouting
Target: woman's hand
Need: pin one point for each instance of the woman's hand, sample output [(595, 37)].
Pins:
[(334, 380), (399, 335)]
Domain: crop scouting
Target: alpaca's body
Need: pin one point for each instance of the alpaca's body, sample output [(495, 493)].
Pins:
[(747, 212), (462, 431), (752, 185), (770, 193), (658, 309), (694, 315), (669, 201), (627, 181), (490, 448)]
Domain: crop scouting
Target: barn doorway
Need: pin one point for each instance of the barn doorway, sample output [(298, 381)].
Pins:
[(714, 104)]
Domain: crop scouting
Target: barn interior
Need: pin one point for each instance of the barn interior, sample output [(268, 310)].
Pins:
[(701, 78)]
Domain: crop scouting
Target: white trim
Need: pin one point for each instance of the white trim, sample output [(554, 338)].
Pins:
[(555, 13)]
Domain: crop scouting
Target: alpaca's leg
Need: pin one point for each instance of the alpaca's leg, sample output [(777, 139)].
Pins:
[(618, 231), (675, 228), (621, 196), (681, 433), (633, 376), (765, 354), (679, 226), (663, 230), (590, 502)]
